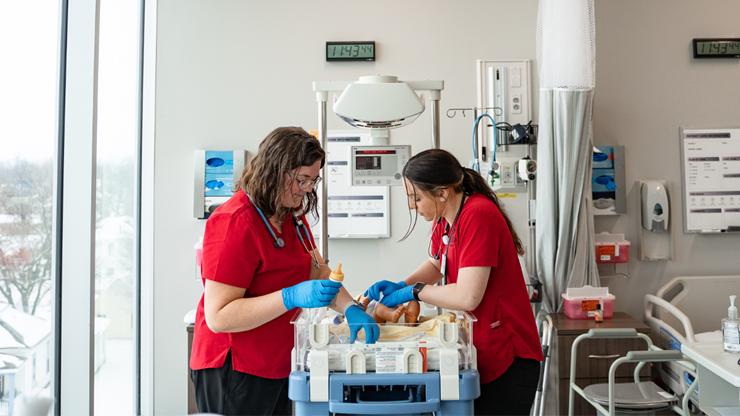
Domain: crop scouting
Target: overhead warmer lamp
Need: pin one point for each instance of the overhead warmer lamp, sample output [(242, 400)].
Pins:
[(377, 103)]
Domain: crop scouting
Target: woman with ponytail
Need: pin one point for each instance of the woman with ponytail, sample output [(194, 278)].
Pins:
[(475, 247)]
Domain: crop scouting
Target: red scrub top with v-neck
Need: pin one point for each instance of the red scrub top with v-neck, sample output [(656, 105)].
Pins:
[(238, 250), (506, 326)]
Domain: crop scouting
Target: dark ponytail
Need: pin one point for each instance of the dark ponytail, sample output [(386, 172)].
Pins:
[(434, 170)]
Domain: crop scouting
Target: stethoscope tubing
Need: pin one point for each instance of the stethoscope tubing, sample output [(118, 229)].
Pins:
[(447, 237), (297, 222), (279, 242)]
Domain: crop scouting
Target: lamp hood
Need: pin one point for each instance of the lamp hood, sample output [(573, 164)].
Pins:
[(379, 102)]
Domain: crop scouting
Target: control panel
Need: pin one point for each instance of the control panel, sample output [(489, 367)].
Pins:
[(378, 165)]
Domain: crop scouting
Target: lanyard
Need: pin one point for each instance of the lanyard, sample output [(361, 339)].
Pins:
[(448, 238), (297, 222)]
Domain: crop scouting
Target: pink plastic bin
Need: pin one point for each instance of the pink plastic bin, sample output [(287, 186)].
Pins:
[(198, 258), (612, 248), (199, 253), (580, 302)]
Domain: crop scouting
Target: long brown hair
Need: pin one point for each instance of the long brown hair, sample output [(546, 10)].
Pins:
[(433, 170), (283, 151)]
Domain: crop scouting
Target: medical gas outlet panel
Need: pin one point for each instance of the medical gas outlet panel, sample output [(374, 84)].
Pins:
[(505, 85), (508, 173), (378, 165)]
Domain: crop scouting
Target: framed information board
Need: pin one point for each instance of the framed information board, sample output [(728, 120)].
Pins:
[(711, 179)]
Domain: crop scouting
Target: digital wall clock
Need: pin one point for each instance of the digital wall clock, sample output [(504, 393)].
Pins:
[(350, 51), (716, 48)]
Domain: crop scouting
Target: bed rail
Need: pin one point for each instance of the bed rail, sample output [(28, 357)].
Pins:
[(651, 300)]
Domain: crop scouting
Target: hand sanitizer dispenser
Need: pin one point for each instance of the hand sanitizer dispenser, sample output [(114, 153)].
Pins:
[(654, 206), (731, 328)]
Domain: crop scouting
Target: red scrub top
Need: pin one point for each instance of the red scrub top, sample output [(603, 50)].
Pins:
[(238, 250), (506, 327)]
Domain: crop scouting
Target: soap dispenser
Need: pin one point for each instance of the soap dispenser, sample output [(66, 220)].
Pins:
[(654, 207), (731, 329)]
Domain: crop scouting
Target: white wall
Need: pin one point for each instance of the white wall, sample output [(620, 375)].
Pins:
[(647, 86), (228, 72)]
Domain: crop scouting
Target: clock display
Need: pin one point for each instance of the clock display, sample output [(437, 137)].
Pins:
[(350, 51), (716, 48)]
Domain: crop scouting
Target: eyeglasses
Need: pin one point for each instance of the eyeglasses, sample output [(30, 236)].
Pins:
[(305, 184)]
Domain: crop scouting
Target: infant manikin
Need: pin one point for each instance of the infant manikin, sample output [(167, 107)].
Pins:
[(383, 314)]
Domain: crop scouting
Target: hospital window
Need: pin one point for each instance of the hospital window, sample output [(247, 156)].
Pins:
[(33, 370), (34, 119), (117, 136), (29, 41)]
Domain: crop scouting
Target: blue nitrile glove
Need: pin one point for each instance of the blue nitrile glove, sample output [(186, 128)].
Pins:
[(607, 181), (600, 157), (310, 294), (384, 286), (357, 320), (398, 297)]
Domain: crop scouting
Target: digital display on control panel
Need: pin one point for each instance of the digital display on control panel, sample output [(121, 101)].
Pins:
[(367, 162), (375, 152)]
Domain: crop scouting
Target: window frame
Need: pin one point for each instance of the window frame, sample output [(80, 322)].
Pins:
[(73, 253)]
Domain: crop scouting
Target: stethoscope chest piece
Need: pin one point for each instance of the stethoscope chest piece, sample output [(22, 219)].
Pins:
[(298, 223), (445, 240)]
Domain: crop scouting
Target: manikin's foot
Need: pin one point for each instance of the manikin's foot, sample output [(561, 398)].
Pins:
[(398, 313), (412, 312)]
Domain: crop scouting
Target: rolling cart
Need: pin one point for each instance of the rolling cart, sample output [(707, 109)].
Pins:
[(411, 370)]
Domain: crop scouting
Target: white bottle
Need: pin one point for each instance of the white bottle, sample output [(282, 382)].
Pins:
[(731, 329)]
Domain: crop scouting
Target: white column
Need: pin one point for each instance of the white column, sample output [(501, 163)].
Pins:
[(78, 209), (146, 283)]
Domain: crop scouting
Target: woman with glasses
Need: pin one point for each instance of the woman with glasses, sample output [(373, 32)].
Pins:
[(475, 247), (259, 263)]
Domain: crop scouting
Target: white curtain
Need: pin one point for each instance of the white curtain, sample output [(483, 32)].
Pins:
[(565, 230)]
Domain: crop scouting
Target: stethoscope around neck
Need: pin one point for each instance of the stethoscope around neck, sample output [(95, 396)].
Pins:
[(446, 238), (298, 224)]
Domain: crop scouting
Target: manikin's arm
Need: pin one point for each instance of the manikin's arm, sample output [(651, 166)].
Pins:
[(365, 302)]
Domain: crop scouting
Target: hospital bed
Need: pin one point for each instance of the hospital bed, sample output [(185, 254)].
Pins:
[(424, 368), (687, 309)]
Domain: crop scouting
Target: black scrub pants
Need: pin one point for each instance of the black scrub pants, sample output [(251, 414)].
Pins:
[(513, 392), (225, 391)]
